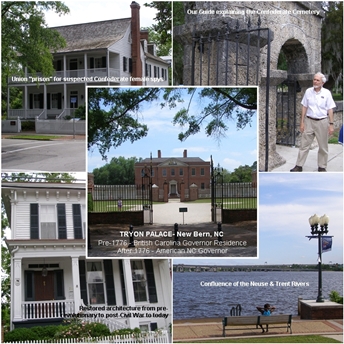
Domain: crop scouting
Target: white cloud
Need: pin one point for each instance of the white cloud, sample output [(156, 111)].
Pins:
[(230, 164)]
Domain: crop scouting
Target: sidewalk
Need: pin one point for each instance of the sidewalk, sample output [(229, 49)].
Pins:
[(335, 159), (207, 329)]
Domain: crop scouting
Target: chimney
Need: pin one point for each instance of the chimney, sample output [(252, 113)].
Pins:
[(159, 153), (185, 154), (135, 44), (144, 35)]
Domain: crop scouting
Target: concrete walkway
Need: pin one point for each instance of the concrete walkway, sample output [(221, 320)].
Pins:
[(169, 212), (207, 329), (335, 159)]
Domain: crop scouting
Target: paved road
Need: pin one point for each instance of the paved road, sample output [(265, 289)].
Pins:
[(66, 155)]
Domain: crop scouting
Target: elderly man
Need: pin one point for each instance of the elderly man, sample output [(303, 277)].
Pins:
[(316, 121)]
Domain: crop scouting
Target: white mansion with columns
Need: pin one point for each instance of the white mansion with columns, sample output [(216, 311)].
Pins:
[(51, 278)]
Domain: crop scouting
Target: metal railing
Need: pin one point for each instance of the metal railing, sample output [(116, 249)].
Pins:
[(239, 196), (109, 198)]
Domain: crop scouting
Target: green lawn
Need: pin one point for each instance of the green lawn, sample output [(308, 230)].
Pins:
[(136, 204), (233, 203), (34, 137), (127, 205), (265, 339)]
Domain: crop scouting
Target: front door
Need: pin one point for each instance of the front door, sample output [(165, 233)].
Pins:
[(44, 291), (44, 286)]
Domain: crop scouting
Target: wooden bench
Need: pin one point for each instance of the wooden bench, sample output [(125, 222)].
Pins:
[(257, 320)]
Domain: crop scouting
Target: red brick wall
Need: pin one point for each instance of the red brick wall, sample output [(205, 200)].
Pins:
[(232, 216), (134, 218)]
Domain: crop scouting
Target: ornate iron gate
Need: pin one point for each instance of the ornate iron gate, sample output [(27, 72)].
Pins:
[(146, 195), (232, 57), (216, 192), (286, 112)]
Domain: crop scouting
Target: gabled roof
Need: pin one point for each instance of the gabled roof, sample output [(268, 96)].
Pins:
[(89, 36), (167, 159)]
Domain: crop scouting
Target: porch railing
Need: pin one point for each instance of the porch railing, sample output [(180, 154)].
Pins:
[(23, 114), (46, 309)]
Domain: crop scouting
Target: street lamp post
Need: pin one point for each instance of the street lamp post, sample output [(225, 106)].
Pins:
[(317, 232)]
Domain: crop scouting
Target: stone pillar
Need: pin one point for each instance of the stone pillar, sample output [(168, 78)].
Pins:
[(165, 191), (155, 193), (193, 190), (182, 191), (274, 159), (90, 182)]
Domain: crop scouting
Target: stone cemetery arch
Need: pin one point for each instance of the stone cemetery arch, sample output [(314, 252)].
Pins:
[(293, 27)]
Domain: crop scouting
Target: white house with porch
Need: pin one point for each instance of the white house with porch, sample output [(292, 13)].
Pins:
[(112, 52), (51, 279)]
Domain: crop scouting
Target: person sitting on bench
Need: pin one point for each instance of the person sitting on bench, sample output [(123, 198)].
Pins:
[(266, 311)]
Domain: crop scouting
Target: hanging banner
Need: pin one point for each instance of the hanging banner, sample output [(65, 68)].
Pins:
[(326, 243)]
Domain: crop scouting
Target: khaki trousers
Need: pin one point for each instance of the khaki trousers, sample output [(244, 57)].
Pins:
[(318, 129)]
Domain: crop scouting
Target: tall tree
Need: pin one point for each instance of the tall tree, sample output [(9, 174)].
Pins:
[(242, 174), (332, 43), (119, 171), (27, 42), (5, 274), (220, 106), (113, 116), (37, 177), (163, 20)]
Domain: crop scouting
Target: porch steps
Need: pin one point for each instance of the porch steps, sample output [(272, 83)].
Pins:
[(174, 200)]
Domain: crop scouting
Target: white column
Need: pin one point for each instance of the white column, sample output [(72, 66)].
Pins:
[(76, 284), (26, 105), (65, 96), (164, 283), (64, 66), (45, 107), (129, 288), (85, 64), (17, 290), (108, 65)]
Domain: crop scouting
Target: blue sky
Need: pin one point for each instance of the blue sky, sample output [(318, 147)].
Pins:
[(239, 147), (87, 11), (286, 201)]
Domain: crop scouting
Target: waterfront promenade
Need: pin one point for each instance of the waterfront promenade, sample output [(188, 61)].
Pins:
[(187, 330)]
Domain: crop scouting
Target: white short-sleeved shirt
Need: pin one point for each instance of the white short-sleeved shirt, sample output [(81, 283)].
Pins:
[(318, 104)]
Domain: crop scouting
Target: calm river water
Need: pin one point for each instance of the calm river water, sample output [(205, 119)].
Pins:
[(195, 296)]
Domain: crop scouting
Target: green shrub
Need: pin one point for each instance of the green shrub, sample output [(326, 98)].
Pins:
[(75, 328), (21, 334), (126, 331), (90, 202), (28, 126), (98, 330), (46, 332), (335, 297)]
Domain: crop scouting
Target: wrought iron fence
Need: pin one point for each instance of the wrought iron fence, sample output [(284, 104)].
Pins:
[(238, 195), (110, 198), (230, 57)]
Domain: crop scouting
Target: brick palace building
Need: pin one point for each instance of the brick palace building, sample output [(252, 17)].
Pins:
[(187, 178)]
